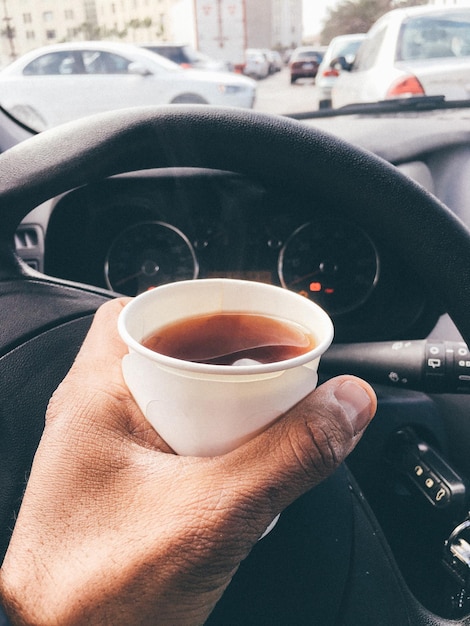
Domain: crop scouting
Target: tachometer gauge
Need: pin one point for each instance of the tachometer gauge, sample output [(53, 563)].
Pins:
[(334, 263), (149, 254)]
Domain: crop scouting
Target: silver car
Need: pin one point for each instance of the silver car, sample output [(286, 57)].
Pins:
[(62, 82), (256, 64), (410, 52)]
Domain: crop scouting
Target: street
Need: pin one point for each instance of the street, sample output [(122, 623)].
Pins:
[(275, 94)]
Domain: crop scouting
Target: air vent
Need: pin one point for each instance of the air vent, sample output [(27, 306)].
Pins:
[(26, 238), (29, 245)]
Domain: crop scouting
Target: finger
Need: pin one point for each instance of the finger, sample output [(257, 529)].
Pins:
[(307, 444), (98, 363), (94, 391), (103, 343), (99, 358)]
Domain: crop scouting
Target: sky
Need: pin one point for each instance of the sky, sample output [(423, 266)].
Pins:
[(314, 12)]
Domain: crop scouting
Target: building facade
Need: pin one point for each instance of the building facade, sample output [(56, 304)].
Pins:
[(137, 21), (30, 24)]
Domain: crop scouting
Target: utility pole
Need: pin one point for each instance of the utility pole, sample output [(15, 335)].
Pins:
[(220, 24), (9, 31)]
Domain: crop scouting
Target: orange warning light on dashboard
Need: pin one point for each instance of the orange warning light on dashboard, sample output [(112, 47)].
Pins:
[(315, 287)]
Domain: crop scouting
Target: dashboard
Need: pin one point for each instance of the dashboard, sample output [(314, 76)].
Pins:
[(133, 232)]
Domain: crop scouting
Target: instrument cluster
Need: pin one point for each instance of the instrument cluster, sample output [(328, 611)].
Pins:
[(133, 234)]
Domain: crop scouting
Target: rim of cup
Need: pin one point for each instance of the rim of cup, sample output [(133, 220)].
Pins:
[(260, 368)]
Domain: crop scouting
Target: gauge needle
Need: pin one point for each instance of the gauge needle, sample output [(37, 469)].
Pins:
[(148, 269), (128, 278), (302, 278)]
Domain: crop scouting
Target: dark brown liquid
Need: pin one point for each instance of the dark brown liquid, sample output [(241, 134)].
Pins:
[(223, 338)]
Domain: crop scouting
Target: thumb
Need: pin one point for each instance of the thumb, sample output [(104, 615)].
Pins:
[(308, 443)]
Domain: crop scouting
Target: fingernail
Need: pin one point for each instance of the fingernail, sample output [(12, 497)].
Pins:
[(356, 402)]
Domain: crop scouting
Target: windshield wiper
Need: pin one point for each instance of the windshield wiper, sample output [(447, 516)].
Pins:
[(396, 105)]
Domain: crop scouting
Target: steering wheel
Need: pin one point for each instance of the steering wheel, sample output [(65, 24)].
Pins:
[(43, 320)]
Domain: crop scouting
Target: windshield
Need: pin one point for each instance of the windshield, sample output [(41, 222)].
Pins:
[(71, 58)]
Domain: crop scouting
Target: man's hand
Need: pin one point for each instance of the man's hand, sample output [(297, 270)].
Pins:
[(116, 529)]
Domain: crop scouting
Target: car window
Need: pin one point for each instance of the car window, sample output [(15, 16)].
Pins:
[(174, 53), (347, 49), (54, 63), (431, 37), (368, 51), (308, 54), (101, 62)]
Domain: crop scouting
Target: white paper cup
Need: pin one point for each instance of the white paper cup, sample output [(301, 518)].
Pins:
[(202, 409)]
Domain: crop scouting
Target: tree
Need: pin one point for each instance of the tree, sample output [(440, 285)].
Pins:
[(89, 31), (357, 16), (136, 24)]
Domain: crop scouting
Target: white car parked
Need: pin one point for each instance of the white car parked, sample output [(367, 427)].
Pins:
[(413, 51), (62, 82)]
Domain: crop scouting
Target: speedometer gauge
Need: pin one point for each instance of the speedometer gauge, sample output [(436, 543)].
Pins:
[(149, 254), (334, 263)]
